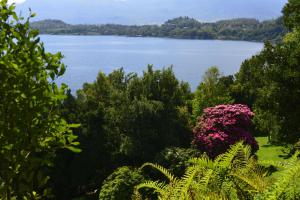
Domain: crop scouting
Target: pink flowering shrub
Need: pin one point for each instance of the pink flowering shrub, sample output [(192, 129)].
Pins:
[(222, 126)]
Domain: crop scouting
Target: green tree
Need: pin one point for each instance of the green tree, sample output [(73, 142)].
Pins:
[(212, 91), (120, 184), (292, 14), (248, 81), (279, 96), (31, 129), (125, 119), (269, 83)]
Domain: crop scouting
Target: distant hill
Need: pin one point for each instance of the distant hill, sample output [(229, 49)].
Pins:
[(181, 27), (141, 12)]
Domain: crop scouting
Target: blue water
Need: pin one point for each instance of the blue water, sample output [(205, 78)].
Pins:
[(85, 56)]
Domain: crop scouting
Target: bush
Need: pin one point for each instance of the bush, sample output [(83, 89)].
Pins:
[(222, 126), (120, 184)]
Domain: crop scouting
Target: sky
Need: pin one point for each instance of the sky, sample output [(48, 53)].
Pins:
[(149, 11), (16, 1)]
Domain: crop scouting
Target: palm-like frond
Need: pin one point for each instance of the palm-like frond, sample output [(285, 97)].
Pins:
[(181, 191), (236, 156), (287, 186), (163, 170), (252, 175), (202, 162), (158, 187), (233, 175)]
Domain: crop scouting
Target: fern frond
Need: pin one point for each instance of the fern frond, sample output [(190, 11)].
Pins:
[(294, 159), (277, 164), (202, 162), (163, 170), (204, 181), (253, 175), (158, 187), (136, 195), (278, 189), (184, 186), (255, 182), (238, 153)]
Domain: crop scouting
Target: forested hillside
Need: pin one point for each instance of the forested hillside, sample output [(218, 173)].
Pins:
[(182, 27)]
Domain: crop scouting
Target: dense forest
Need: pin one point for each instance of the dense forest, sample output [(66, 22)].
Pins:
[(126, 136), (181, 27)]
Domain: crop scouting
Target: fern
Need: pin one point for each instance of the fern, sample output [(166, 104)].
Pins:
[(163, 170), (155, 185), (185, 183), (237, 156), (233, 175), (287, 186)]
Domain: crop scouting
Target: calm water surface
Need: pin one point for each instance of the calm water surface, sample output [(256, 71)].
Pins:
[(85, 56)]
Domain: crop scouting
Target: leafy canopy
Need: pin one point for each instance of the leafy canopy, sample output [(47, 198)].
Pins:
[(31, 129), (211, 91)]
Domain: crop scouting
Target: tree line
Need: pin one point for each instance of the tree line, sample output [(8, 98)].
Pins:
[(181, 27)]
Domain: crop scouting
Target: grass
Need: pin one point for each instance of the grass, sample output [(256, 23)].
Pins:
[(269, 152)]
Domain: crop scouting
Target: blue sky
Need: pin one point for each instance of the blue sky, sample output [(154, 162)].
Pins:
[(149, 11)]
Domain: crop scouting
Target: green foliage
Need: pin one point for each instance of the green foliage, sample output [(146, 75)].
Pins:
[(291, 13), (120, 184), (287, 184), (233, 175), (181, 27), (297, 146), (294, 148), (269, 83), (31, 129), (175, 159), (272, 86), (212, 91), (248, 80), (126, 120)]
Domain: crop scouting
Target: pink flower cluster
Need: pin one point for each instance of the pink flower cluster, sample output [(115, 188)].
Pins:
[(222, 126)]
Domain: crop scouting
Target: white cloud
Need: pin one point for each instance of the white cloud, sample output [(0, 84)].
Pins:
[(15, 1)]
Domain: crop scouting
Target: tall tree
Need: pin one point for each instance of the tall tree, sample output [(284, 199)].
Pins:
[(31, 129), (270, 82), (212, 91), (291, 13)]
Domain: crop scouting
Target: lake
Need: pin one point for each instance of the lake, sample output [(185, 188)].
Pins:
[(85, 56)]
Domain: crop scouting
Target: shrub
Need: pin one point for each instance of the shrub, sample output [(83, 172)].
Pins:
[(120, 184), (221, 126)]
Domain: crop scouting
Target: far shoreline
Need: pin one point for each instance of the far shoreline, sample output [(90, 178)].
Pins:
[(153, 37)]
